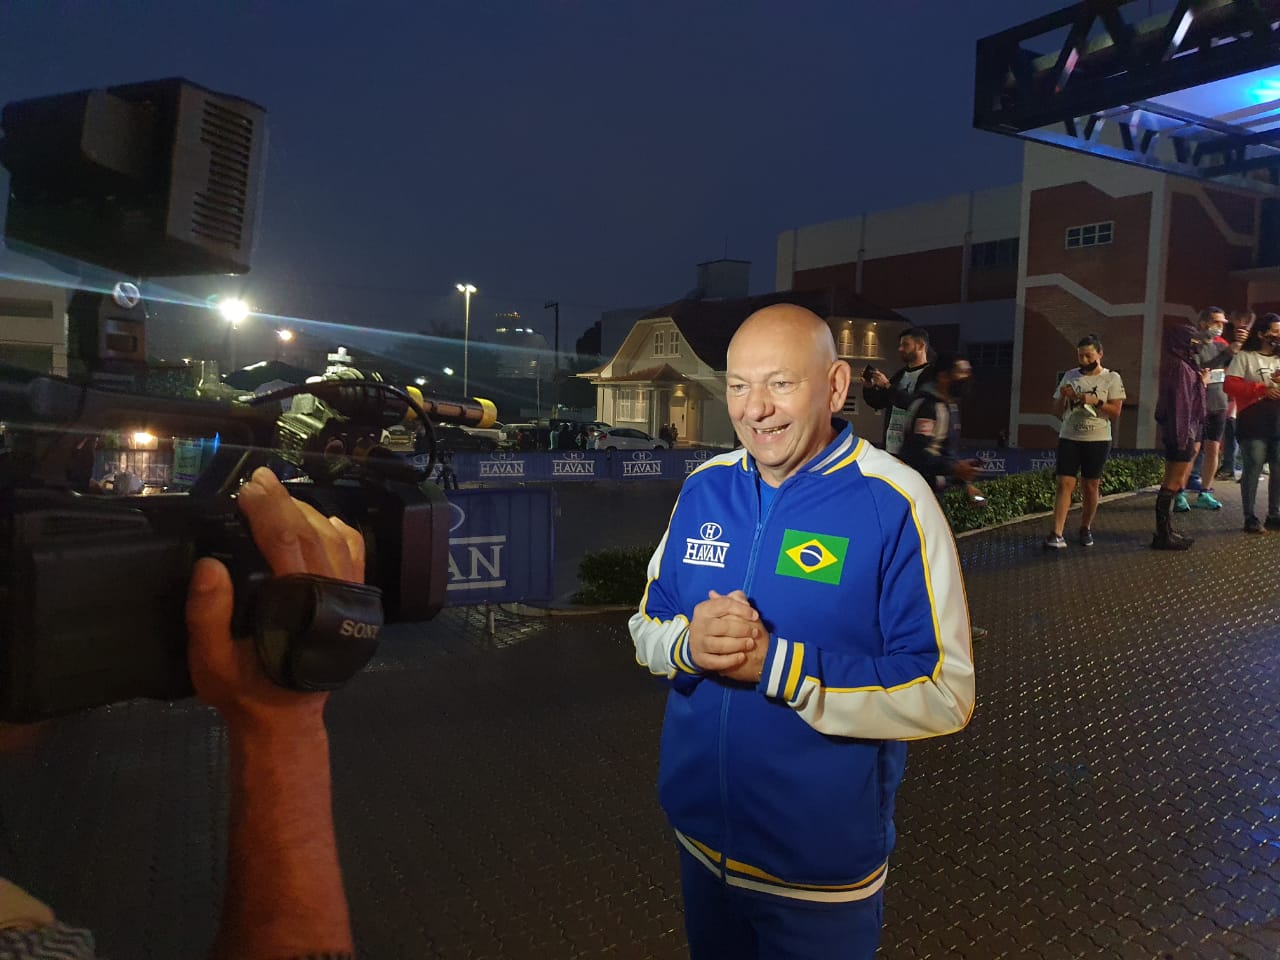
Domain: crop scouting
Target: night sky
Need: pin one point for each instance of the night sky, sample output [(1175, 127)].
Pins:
[(590, 151)]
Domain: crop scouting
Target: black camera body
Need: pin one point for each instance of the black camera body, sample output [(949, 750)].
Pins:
[(158, 179), (92, 587)]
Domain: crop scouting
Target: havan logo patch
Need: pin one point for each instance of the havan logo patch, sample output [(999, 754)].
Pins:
[(708, 550)]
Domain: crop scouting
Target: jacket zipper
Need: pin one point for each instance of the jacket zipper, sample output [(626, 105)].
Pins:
[(761, 521)]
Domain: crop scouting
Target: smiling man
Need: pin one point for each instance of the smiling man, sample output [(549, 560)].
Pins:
[(807, 608)]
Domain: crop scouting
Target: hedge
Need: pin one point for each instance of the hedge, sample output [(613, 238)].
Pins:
[(1020, 494), (617, 575), (614, 575)]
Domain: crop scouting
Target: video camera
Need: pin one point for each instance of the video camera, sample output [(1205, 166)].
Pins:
[(93, 586)]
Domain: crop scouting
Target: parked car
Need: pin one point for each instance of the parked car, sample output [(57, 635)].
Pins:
[(625, 438), (456, 440), (398, 438), (526, 436), (495, 432)]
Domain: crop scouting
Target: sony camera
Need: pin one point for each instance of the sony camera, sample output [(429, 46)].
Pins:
[(93, 584), (156, 179)]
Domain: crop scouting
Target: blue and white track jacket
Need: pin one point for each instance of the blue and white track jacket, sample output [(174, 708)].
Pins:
[(788, 786)]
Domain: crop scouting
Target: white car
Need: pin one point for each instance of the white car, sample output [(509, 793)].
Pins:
[(625, 438)]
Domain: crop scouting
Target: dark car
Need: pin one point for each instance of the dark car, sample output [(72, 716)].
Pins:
[(456, 440)]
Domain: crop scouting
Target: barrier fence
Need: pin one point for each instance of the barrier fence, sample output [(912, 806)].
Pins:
[(501, 545), (638, 465)]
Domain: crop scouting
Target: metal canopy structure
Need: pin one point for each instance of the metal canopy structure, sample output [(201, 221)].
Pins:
[(1193, 90)]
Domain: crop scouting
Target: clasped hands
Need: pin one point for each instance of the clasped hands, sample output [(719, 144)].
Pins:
[(727, 638)]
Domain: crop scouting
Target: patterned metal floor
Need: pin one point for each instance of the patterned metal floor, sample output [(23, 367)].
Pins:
[(1117, 794)]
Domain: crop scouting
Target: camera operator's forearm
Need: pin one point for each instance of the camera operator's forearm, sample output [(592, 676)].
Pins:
[(284, 884)]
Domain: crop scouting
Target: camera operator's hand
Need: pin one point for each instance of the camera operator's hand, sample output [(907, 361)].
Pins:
[(294, 538), (284, 894)]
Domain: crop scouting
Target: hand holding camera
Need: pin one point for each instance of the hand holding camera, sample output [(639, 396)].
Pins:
[(295, 539)]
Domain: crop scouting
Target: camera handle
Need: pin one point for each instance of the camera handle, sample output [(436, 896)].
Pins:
[(315, 633)]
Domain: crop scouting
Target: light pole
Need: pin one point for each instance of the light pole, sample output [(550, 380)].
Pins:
[(466, 289), (555, 305), (234, 311)]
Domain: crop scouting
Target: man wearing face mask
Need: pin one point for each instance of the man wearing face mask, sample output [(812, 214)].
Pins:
[(931, 438), (1088, 399), (1215, 356)]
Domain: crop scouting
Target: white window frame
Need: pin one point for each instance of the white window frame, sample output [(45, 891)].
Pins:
[(632, 404), (1090, 235), (659, 343), (673, 344)]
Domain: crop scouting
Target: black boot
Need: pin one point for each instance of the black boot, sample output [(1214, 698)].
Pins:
[(1166, 537)]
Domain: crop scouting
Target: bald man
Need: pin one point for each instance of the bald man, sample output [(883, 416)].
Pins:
[(807, 609)]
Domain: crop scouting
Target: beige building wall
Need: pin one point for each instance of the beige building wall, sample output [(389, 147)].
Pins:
[(33, 326)]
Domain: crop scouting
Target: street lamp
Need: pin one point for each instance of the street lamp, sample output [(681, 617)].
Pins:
[(284, 336), (234, 311), (466, 289)]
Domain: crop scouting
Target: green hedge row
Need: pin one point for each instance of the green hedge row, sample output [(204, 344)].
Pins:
[(617, 575), (614, 575), (1020, 494)]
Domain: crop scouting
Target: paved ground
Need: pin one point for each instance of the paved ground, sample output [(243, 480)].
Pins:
[(1117, 794)]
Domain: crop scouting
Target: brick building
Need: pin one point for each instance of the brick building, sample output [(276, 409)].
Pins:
[(1018, 274)]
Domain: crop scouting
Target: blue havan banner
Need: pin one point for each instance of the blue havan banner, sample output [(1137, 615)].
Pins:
[(643, 465), (501, 545)]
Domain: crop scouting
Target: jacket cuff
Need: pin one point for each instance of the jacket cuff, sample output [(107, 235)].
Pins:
[(783, 669), (681, 656)]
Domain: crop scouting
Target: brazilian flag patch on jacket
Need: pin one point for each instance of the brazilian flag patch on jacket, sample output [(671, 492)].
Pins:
[(812, 556)]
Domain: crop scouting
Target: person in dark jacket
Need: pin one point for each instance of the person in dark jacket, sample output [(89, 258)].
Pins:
[(1180, 410), (931, 439), (894, 394)]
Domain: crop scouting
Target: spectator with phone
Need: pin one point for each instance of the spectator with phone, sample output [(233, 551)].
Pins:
[(1088, 398), (894, 394)]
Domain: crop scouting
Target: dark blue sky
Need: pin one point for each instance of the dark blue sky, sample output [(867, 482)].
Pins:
[(590, 151)]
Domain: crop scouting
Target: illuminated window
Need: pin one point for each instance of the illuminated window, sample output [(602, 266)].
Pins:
[(673, 348), (633, 403), (844, 342), (870, 344), (1090, 234), (660, 344)]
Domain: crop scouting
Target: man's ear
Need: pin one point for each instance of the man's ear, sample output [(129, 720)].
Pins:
[(839, 378)]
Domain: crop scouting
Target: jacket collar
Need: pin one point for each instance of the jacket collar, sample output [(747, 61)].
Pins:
[(845, 442)]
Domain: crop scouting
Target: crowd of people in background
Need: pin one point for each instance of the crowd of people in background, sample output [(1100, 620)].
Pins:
[(1217, 419)]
